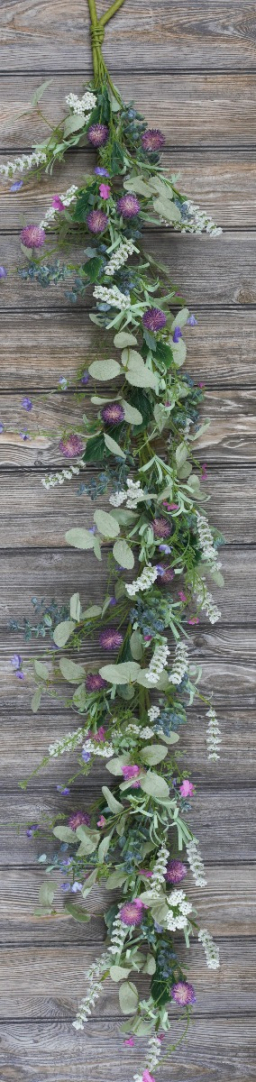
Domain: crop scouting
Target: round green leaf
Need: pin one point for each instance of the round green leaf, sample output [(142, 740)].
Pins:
[(41, 670), (153, 754), (118, 973), (131, 415), (167, 210), (124, 673), (72, 124), (106, 524), (63, 631), (104, 370), (79, 538), (181, 318), (179, 350), (128, 997), (65, 834), (123, 554), (155, 786), (72, 672), (123, 339)]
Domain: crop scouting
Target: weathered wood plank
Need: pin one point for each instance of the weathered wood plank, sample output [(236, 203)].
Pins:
[(231, 435), (223, 183), (33, 517), (203, 35), (62, 981), (193, 110), (54, 1052), (224, 821), (211, 272), (25, 741), (221, 349), (226, 905)]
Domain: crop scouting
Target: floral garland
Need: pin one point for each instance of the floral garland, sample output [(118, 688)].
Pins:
[(160, 548)]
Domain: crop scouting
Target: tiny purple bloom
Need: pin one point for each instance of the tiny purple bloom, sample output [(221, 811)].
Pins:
[(85, 378), (111, 639), (192, 321), (183, 993), (166, 574), (165, 548), (152, 139), (63, 790), (76, 887), (30, 831), (128, 205), (16, 661), (105, 191), (20, 675), (154, 319), (1, 427), (86, 756), (98, 135), (113, 414), (57, 203), (65, 886), (3, 272), (100, 171), (71, 446), (177, 334), (112, 602), (27, 404), (33, 236), (160, 570), (24, 435), (97, 221), (16, 186), (63, 383)]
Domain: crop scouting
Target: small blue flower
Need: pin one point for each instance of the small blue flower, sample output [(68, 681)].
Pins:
[(63, 383), (76, 887), (30, 831), (85, 378), (86, 756), (160, 570), (1, 427), (165, 548), (192, 321), (27, 404), (16, 186), (63, 790), (16, 661), (24, 435), (65, 886), (100, 171), (177, 334), (3, 272)]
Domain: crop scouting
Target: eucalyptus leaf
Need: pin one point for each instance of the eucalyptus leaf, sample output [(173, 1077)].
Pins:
[(128, 997), (155, 786), (138, 185), (103, 847), (36, 699), (41, 670), (166, 209), (179, 350), (75, 607), (115, 765), (113, 446), (123, 554), (46, 893), (181, 454), (79, 538), (106, 524), (71, 671), (115, 879), (131, 414), (94, 610), (136, 645), (113, 804), (104, 370), (153, 754), (73, 123), (124, 673), (80, 697), (123, 339), (181, 318), (119, 973), (65, 834), (63, 631), (77, 912)]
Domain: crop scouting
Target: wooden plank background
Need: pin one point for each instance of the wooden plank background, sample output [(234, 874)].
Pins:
[(191, 69)]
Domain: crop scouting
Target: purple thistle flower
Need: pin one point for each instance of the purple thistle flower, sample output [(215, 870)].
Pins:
[(76, 887), (85, 378), (16, 186), (97, 221), (86, 756), (98, 135), (177, 334), (192, 321), (152, 139), (111, 639), (131, 913), (27, 404), (175, 871), (71, 446), (63, 790), (128, 205), (154, 319), (33, 236), (100, 171), (95, 682), (30, 831), (183, 993), (161, 527), (3, 272), (77, 820), (113, 413)]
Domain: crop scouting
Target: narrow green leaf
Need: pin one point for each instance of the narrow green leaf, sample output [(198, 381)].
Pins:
[(46, 893), (73, 123), (77, 912), (131, 414), (36, 699), (113, 804), (113, 446), (75, 607)]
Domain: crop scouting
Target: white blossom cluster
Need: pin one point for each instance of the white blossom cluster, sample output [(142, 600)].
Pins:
[(153, 1057), (68, 743), (153, 713), (105, 750), (81, 105), (195, 863), (180, 663), (88, 1003), (158, 661), (179, 910), (213, 735), (132, 497), (58, 478), (118, 936), (206, 602), (144, 582), (206, 543), (197, 221), (112, 296), (144, 734), (66, 198), (120, 257), (158, 877), (26, 162), (212, 953)]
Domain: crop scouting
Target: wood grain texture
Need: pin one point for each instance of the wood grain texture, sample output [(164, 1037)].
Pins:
[(225, 821), (220, 1048), (193, 110), (231, 490), (222, 181), (221, 349), (194, 36)]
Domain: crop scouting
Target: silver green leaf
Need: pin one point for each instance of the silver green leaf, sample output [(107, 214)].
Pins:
[(79, 538), (63, 631), (104, 370), (71, 671), (106, 524), (123, 554)]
